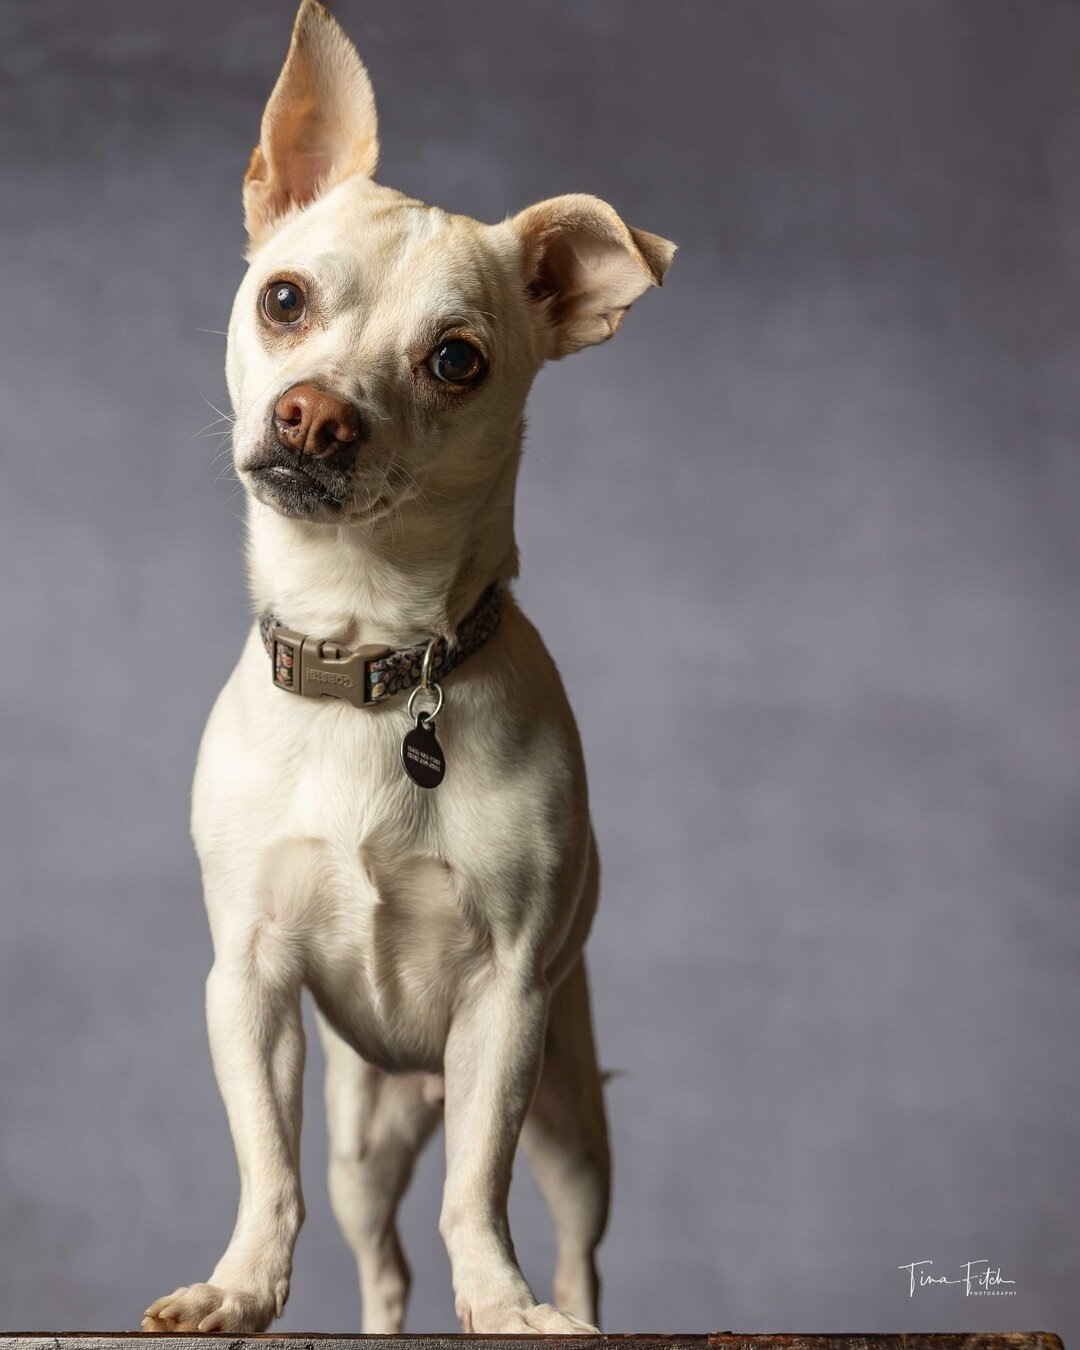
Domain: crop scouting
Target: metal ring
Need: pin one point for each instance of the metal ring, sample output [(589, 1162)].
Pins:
[(425, 665), (431, 689)]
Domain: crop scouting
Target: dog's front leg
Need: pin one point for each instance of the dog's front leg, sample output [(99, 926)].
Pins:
[(257, 1042), (491, 1063)]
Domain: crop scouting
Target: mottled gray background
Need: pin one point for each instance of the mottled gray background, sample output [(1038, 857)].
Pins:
[(803, 540)]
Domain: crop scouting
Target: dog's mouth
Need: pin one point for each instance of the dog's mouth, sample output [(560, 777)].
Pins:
[(297, 488), (327, 491)]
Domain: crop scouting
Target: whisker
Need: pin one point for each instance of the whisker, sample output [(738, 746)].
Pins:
[(410, 464), (411, 485), (227, 417), (214, 423)]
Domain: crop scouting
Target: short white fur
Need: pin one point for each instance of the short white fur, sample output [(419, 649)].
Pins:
[(440, 933)]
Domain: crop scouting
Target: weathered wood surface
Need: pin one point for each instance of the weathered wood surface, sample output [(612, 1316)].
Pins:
[(725, 1340)]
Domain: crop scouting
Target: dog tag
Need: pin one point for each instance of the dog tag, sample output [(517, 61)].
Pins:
[(422, 756)]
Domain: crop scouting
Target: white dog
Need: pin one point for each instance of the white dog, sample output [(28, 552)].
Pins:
[(431, 885)]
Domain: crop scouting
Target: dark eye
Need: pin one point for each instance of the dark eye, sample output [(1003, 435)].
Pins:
[(284, 302), (456, 362)]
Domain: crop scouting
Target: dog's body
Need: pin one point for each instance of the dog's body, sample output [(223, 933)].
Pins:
[(440, 932)]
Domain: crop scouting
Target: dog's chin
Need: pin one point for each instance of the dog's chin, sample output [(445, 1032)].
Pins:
[(291, 491)]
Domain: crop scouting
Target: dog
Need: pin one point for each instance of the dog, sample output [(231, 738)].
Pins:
[(390, 805)]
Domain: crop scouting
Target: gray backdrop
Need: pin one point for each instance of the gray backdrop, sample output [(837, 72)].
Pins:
[(803, 540)]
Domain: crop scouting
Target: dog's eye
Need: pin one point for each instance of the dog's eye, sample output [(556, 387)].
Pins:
[(456, 362), (284, 302)]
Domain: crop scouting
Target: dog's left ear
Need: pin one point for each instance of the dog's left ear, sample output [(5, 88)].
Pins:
[(319, 126), (586, 267)]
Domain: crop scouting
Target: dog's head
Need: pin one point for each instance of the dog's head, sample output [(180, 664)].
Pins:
[(379, 346)]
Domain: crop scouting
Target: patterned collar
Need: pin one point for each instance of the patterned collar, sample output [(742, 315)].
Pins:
[(318, 668)]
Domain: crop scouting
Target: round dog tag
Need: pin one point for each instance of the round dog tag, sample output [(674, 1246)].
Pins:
[(422, 756)]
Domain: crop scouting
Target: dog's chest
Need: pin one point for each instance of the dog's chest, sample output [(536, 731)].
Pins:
[(316, 845), (388, 940)]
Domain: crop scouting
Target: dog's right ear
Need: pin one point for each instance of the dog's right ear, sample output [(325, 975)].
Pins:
[(319, 126)]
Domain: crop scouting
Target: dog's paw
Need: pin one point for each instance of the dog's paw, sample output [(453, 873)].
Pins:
[(543, 1318), (551, 1321), (205, 1307)]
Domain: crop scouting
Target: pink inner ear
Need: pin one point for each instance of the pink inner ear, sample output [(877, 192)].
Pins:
[(581, 272), (301, 156), (306, 173), (558, 275)]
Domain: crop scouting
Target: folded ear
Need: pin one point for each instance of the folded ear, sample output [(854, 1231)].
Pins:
[(586, 266), (319, 126)]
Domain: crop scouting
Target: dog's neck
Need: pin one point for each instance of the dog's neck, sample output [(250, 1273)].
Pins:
[(398, 580)]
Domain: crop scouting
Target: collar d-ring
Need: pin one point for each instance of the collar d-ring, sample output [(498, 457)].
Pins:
[(436, 691), (425, 665)]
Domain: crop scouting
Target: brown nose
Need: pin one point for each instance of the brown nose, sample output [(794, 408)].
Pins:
[(314, 422)]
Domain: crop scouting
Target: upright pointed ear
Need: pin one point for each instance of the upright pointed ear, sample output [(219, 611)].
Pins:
[(319, 126), (586, 267)]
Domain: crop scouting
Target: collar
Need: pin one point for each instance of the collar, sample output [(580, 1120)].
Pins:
[(317, 667)]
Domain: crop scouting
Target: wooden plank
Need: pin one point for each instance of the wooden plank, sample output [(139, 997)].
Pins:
[(726, 1340)]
